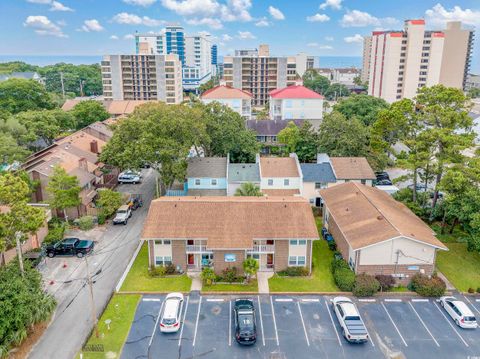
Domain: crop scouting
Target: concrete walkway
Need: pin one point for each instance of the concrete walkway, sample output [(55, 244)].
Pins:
[(262, 279), (196, 281), (450, 286)]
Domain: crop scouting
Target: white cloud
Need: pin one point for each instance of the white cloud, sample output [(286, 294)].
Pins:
[(438, 15), (208, 21), (91, 25), (329, 38), (357, 38), (129, 37), (318, 46), (132, 19), (58, 6), (325, 47), (312, 44), (226, 37), (276, 13), (114, 37), (43, 26), (334, 4), (246, 35), (263, 22), (143, 3), (318, 18), (357, 18)]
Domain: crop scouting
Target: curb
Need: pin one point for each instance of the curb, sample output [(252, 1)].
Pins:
[(129, 266)]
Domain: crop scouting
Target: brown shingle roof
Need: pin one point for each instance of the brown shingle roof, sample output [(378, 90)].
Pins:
[(221, 92), (367, 216), (230, 222), (280, 192), (352, 168), (278, 167)]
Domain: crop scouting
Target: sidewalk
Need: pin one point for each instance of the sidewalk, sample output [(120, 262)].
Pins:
[(262, 279), (196, 281)]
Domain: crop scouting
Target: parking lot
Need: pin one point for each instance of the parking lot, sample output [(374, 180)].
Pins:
[(303, 327)]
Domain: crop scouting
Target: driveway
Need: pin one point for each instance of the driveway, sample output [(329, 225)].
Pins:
[(65, 277), (303, 327)]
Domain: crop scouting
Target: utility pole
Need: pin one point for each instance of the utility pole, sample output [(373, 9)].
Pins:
[(90, 285), (18, 236), (63, 86)]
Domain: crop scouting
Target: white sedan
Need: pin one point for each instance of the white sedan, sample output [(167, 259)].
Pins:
[(459, 311)]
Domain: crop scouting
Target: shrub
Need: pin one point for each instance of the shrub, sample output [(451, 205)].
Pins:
[(229, 274), (386, 281), (54, 235), (208, 275), (365, 285), (332, 246), (159, 271), (101, 218), (478, 290), (85, 223), (338, 263), (427, 287), (170, 269), (471, 290), (344, 279), (109, 201)]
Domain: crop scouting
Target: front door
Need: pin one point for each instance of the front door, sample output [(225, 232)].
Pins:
[(270, 260), (191, 259)]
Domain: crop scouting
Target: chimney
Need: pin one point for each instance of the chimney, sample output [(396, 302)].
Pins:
[(82, 163), (94, 146)]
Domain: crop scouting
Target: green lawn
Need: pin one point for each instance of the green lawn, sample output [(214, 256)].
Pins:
[(120, 311), (138, 279), (321, 279), (462, 268), (235, 287)]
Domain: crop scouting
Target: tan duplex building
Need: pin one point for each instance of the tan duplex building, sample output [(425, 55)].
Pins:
[(376, 234), (220, 232)]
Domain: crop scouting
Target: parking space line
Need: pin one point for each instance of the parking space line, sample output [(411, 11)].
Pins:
[(333, 323), (151, 300), (451, 325), (367, 300), (477, 300), (196, 323), (419, 300), (394, 325), (230, 325), (311, 300), (283, 300), (261, 320), (274, 321), (369, 336), (424, 325), (303, 324), (392, 300), (474, 307), (183, 323), (215, 299), (155, 327)]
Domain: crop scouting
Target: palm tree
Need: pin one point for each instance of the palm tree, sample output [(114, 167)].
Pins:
[(250, 267), (248, 189)]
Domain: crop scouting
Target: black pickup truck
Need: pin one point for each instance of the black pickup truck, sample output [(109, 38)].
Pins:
[(70, 246)]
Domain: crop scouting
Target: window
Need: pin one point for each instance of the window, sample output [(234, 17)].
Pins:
[(286, 182), (302, 242), (293, 242), (163, 242), (363, 181), (288, 103), (197, 181), (296, 260), (270, 182), (163, 261), (167, 242), (214, 182)]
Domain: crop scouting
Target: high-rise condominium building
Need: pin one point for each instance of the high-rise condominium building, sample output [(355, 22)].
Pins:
[(401, 62), (306, 62), (142, 77), (195, 52), (367, 48), (259, 74)]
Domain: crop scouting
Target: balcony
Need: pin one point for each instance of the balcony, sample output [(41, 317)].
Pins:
[(197, 248), (262, 248)]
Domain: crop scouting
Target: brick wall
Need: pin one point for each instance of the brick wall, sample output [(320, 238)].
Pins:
[(219, 263), (281, 255), (151, 253), (342, 244), (400, 269), (179, 256)]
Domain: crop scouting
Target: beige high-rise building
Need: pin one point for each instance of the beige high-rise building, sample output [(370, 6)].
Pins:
[(259, 74), (367, 49), (142, 77), (401, 62)]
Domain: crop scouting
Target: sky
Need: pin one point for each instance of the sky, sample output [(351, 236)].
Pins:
[(325, 28)]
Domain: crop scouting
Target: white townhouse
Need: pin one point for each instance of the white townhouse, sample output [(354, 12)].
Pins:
[(238, 100), (295, 102)]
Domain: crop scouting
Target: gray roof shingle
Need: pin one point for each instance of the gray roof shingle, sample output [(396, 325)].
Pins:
[(207, 167), (243, 172), (317, 172)]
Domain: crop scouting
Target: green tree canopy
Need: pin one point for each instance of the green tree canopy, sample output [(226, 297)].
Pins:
[(248, 189), (64, 190), (88, 112), (10, 150), (109, 201), (336, 91), (363, 107), (289, 136), (315, 82), (17, 95)]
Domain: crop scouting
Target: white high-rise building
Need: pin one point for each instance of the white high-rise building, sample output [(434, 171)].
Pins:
[(194, 51)]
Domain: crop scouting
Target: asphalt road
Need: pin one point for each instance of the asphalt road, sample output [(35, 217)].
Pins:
[(114, 248), (303, 327)]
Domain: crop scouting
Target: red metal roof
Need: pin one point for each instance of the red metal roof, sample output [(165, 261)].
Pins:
[(417, 22), (295, 91), (223, 91)]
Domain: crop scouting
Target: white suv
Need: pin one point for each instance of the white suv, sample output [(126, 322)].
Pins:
[(460, 313), (123, 214), (171, 313)]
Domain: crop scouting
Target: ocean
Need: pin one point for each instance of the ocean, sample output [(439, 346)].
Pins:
[(325, 61)]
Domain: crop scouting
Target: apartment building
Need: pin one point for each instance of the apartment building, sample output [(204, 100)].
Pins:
[(197, 54), (295, 102), (259, 73), (142, 77), (238, 100), (281, 176), (345, 76), (306, 62), (401, 62), (367, 49)]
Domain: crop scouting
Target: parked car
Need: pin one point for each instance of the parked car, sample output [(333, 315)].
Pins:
[(129, 177), (419, 187), (123, 214), (353, 328), (384, 182), (382, 175), (171, 313), (245, 323), (459, 311), (135, 201), (70, 246)]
